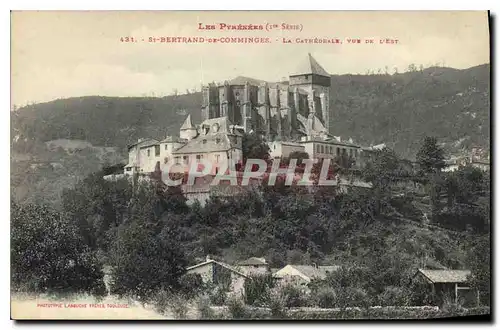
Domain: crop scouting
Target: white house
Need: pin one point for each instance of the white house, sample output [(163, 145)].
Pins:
[(303, 274)]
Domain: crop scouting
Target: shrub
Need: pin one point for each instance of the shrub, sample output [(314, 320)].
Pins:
[(326, 298), (48, 254), (237, 309), (277, 307), (191, 284), (179, 307), (352, 297), (293, 296), (206, 313), (167, 301), (421, 294), (257, 290), (394, 296), (217, 296)]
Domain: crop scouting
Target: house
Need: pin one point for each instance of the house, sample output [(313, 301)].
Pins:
[(253, 266), (283, 149), (216, 140), (303, 274), (447, 283), (220, 274)]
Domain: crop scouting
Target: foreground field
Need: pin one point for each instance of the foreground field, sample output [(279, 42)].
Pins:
[(25, 307)]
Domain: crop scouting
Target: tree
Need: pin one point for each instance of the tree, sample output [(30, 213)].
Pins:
[(299, 155), (430, 157), (479, 262), (412, 68), (145, 260), (254, 147), (467, 191), (258, 289), (95, 206), (47, 253), (383, 172)]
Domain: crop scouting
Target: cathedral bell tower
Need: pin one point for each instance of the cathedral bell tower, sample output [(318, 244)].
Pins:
[(311, 77)]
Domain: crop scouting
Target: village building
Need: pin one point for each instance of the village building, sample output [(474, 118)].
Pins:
[(453, 164), (448, 284), (220, 274), (303, 274), (478, 158), (254, 266)]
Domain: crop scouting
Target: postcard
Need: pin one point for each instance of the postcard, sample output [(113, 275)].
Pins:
[(256, 165)]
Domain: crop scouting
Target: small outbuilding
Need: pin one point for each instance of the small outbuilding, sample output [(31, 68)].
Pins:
[(447, 283), (254, 266), (220, 274)]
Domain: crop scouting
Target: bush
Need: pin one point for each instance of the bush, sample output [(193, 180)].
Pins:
[(352, 297), (326, 298), (217, 296), (237, 309), (293, 296), (179, 308), (191, 284), (277, 307), (162, 301), (394, 296), (257, 290), (206, 313), (167, 301), (48, 254)]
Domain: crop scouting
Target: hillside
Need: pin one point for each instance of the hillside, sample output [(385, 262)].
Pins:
[(400, 109), (102, 121), (396, 109), (40, 176)]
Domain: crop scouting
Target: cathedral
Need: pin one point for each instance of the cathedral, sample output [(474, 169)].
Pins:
[(283, 111), (291, 115)]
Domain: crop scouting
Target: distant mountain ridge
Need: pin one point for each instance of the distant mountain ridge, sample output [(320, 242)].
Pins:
[(399, 109)]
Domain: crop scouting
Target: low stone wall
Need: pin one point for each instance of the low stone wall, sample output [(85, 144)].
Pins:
[(376, 312)]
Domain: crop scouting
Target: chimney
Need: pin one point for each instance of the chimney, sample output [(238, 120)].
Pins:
[(208, 257)]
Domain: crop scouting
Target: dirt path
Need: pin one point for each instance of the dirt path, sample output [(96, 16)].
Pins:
[(23, 307)]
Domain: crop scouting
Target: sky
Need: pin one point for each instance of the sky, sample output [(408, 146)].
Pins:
[(69, 53)]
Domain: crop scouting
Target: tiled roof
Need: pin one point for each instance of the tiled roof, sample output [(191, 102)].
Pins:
[(219, 263), (240, 80), (445, 276), (313, 271), (310, 66), (174, 139), (149, 144), (212, 140), (143, 143), (253, 261), (187, 123), (209, 143)]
